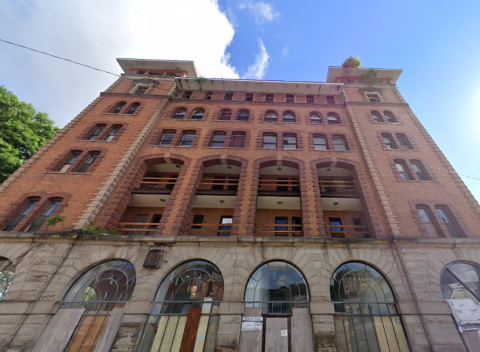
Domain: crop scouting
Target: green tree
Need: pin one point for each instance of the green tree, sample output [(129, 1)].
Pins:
[(23, 131), (352, 62)]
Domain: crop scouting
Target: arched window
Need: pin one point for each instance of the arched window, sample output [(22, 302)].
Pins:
[(179, 113), (449, 221), (47, 211), (389, 117), (366, 317), (197, 114), (271, 116), (420, 170), (288, 116), (277, 287), (315, 118), (225, 115), (96, 132), (7, 272), (461, 280), (243, 115), (191, 291), (99, 291), (118, 107), (133, 108), (376, 116), (333, 119)]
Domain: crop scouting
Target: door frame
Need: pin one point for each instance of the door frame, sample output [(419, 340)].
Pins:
[(289, 327)]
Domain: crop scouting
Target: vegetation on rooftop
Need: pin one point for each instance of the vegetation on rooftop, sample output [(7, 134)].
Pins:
[(352, 62)]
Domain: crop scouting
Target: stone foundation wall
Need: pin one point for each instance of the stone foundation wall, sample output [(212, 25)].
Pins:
[(46, 266)]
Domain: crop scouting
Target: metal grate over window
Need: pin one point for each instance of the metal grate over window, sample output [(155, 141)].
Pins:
[(366, 317)]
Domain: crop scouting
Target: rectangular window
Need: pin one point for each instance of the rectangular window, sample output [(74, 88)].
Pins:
[(218, 139), (373, 98), (402, 171), (269, 141), (187, 139), (339, 144), (226, 221), (269, 97), (141, 89), (209, 95), (89, 161), (422, 175), (335, 227), (187, 94), (429, 225), (289, 142), (167, 138), (249, 97), (290, 98), (155, 220), (19, 217), (452, 229), (95, 133), (298, 222), (330, 99), (387, 138), (111, 135), (281, 220), (197, 219), (320, 143), (403, 140), (238, 140), (310, 99), (141, 219), (228, 96), (72, 158), (37, 224)]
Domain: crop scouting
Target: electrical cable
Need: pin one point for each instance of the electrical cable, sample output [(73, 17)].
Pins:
[(221, 107)]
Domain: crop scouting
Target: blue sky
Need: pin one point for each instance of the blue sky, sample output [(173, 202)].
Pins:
[(435, 43)]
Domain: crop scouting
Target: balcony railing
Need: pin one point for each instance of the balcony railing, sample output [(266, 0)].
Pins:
[(337, 187), (137, 228), (279, 186), (347, 231), (158, 184), (279, 230), (195, 229), (223, 186)]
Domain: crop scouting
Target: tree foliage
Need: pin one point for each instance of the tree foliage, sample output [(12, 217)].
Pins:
[(352, 62), (23, 131)]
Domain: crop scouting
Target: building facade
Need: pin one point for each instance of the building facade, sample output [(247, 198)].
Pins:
[(238, 215)]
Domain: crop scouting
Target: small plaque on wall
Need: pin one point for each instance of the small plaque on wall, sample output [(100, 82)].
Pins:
[(154, 259), (252, 326)]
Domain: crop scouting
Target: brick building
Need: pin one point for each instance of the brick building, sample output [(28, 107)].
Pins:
[(298, 216)]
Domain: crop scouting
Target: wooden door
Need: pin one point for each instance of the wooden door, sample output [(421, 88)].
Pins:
[(276, 334)]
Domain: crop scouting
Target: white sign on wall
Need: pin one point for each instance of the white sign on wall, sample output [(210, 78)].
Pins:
[(252, 326)]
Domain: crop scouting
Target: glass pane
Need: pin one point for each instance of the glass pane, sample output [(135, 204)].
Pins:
[(443, 216), (423, 215)]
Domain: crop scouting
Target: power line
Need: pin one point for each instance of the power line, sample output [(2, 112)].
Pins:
[(58, 57), (221, 107)]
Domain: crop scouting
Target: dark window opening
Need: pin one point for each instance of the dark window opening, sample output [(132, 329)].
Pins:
[(373, 98), (197, 219), (310, 99), (19, 217), (226, 221), (187, 94), (96, 133), (219, 182), (37, 224), (155, 220), (228, 96), (249, 97), (269, 97), (420, 171), (118, 108), (141, 89), (290, 98), (209, 95), (330, 99), (71, 159), (88, 162)]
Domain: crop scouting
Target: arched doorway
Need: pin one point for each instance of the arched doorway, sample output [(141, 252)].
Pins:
[(185, 310), (366, 317), (276, 310)]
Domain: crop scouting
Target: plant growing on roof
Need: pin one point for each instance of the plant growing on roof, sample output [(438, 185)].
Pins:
[(200, 79), (352, 62)]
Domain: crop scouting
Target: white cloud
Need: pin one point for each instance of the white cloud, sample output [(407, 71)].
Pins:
[(259, 67), (286, 50), (96, 33), (262, 11)]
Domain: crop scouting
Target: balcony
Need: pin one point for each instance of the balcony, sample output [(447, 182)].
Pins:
[(279, 186), (342, 204)]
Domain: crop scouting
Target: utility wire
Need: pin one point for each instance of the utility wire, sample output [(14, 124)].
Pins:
[(221, 107)]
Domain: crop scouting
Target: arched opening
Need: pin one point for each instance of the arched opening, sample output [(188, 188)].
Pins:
[(215, 199), (278, 211), (150, 196), (366, 316), (461, 280), (7, 273), (99, 292), (343, 206), (277, 310), (185, 310)]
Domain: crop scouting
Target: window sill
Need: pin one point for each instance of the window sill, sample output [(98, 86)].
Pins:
[(417, 181), (225, 147), (251, 120), (69, 173), (110, 113), (289, 150), (86, 140)]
